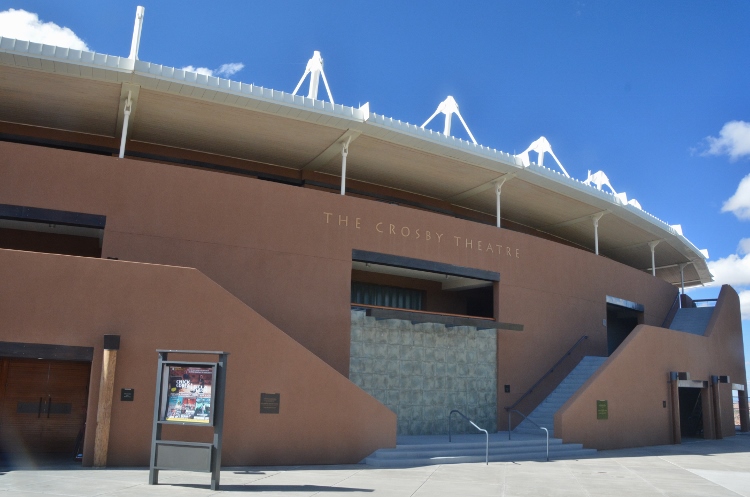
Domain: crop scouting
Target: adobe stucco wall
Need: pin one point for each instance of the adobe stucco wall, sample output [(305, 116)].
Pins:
[(66, 300), (286, 252), (634, 381)]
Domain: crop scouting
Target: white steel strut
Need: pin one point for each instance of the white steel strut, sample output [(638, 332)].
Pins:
[(449, 107), (315, 70), (540, 146), (135, 45)]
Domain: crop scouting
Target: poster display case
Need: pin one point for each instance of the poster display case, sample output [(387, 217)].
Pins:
[(188, 392)]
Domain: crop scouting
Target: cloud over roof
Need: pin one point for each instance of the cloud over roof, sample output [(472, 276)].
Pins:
[(23, 25)]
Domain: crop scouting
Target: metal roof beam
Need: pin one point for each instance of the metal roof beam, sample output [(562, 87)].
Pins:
[(574, 221), (635, 245), (478, 189), (333, 150)]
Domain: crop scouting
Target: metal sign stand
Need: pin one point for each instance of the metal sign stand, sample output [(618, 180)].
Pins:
[(188, 456)]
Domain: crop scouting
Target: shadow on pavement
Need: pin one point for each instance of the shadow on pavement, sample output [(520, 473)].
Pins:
[(279, 488)]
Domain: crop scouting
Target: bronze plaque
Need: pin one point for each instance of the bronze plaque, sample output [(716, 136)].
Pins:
[(602, 411), (269, 403)]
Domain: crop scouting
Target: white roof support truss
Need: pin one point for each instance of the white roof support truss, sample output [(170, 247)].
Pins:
[(540, 146), (315, 70), (449, 107)]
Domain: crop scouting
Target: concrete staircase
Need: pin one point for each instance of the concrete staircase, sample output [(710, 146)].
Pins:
[(544, 414), (430, 450), (692, 320)]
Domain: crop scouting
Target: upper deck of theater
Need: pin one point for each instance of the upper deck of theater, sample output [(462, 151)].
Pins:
[(75, 99)]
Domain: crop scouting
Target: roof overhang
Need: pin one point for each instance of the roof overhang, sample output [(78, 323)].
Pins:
[(85, 92)]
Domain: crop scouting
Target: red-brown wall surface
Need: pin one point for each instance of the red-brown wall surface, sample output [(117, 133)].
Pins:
[(66, 300), (635, 382), (286, 252)]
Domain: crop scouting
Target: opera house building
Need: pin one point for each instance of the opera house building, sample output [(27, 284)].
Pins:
[(366, 276)]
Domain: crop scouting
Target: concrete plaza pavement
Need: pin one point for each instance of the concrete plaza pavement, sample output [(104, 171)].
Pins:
[(711, 468)]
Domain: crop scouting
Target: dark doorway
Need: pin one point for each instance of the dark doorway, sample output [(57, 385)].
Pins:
[(51, 239), (43, 409), (620, 322), (51, 231), (691, 412)]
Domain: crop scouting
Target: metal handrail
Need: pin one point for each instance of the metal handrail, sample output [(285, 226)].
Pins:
[(669, 313), (487, 445), (510, 413), (695, 301), (584, 337)]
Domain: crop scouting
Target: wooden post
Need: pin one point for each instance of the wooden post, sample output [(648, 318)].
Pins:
[(744, 414), (716, 387), (674, 382), (104, 407)]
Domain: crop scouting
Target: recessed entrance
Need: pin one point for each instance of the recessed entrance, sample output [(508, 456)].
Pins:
[(622, 317), (43, 409), (51, 231), (691, 412), (401, 283)]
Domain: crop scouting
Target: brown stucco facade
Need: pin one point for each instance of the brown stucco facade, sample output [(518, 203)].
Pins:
[(637, 374), (263, 271)]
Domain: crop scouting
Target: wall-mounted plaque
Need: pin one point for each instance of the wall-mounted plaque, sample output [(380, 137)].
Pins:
[(127, 394), (602, 410), (269, 403)]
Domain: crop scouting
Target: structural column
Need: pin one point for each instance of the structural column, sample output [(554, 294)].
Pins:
[(104, 407), (596, 218), (128, 108), (744, 413), (344, 153), (716, 391), (498, 186), (674, 389), (653, 245)]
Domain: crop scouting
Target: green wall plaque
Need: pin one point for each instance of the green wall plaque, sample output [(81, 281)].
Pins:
[(602, 411)]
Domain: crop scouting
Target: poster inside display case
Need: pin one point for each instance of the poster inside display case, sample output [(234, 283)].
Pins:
[(189, 393)]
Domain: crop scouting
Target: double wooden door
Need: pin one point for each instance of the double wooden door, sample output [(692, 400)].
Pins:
[(42, 405)]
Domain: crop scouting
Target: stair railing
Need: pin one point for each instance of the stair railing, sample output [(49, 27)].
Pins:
[(487, 445), (670, 315), (551, 370), (510, 413)]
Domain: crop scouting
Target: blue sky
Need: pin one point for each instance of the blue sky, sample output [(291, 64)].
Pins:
[(632, 88)]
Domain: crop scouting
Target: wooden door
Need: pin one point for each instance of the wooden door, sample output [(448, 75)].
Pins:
[(42, 405)]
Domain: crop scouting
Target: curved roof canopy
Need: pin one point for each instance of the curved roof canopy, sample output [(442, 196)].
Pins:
[(86, 92)]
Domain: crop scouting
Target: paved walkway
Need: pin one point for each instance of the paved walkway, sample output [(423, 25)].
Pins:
[(699, 468)]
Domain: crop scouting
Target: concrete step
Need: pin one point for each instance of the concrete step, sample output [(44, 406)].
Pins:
[(531, 429), (544, 414), (540, 455), (500, 449), (539, 420), (692, 320)]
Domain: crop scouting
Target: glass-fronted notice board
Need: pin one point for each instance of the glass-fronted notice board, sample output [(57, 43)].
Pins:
[(189, 393)]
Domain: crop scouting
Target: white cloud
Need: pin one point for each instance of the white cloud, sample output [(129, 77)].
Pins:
[(23, 25), (230, 69), (225, 70), (745, 304), (739, 203), (732, 270), (733, 140), (199, 70), (744, 246)]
